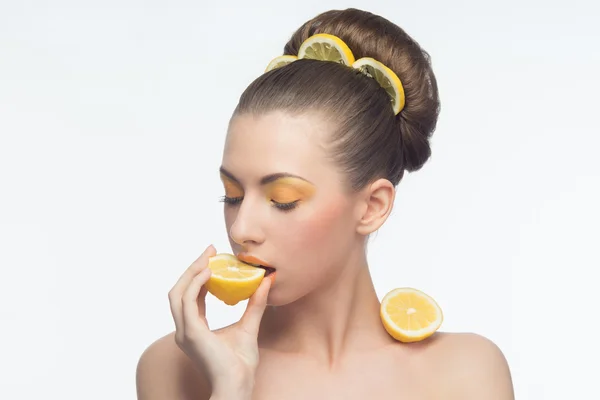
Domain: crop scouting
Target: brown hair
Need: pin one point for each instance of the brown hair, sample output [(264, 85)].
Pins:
[(370, 142)]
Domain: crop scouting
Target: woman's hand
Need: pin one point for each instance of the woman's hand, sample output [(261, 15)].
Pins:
[(229, 356)]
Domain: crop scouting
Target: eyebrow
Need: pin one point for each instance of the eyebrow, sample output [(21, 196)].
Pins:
[(265, 179)]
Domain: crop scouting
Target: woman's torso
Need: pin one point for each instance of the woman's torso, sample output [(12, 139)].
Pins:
[(394, 372), (416, 371)]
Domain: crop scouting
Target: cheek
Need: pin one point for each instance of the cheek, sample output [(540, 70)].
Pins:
[(320, 230), (312, 248), (229, 214)]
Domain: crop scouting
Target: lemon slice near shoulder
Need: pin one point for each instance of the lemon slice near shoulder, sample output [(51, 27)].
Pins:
[(410, 315), (325, 47), (280, 61), (232, 280), (385, 77)]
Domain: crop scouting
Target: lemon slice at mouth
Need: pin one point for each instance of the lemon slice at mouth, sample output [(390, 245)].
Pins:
[(232, 280), (325, 47)]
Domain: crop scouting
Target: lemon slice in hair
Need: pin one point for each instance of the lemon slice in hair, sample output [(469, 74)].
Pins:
[(325, 47), (280, 61), (385, 77)]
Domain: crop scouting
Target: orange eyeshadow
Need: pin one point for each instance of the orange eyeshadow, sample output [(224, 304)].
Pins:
[(287, 190), (231, 188)]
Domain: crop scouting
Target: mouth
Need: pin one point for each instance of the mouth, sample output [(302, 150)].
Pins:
[(269, 270), (256, 262)]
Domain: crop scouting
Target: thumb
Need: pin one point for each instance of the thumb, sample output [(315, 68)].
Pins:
[(256, 308)]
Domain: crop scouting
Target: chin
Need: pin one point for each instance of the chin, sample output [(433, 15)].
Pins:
[(276, 300), (278, 297)]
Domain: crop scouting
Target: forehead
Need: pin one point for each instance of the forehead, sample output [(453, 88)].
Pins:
[(258, 145)]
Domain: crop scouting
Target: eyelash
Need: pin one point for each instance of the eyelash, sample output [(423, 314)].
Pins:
[(281, 206)]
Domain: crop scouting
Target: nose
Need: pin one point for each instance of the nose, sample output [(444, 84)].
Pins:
[(246, 228)]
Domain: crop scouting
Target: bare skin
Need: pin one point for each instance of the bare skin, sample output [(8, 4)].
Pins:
[(317, 328), (445, 366)]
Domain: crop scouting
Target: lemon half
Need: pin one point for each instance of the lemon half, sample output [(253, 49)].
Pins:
[(410, 315), (232, 280)]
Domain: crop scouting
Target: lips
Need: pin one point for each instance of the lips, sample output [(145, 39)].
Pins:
[(270, 270), (256, 262)]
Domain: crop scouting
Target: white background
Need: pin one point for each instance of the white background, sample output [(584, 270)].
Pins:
[(112, 121)]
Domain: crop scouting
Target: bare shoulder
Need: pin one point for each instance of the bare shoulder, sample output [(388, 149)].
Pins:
[(470, 366), (165, 372)]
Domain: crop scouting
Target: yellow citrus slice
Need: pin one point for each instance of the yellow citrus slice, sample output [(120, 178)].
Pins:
[(385, 77), (280, 61), (326, 47), (410, 315), (232, 280)]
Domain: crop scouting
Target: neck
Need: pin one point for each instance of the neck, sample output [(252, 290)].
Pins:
[(329, 323)]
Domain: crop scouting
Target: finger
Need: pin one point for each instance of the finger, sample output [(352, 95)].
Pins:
[(201, 301), (189, 302), (256, 307), (195, 268), (175, 305), (176, 292)]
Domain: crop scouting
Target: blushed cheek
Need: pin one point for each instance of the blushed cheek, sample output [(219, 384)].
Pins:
[(320, 230), (312, 247)]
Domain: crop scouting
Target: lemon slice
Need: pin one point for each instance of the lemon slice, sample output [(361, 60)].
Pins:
[(280, 61), (232, 280), (410, 315), (325, 47), (385, 77)]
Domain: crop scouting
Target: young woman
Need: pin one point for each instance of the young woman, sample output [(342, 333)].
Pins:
[(313, 154)]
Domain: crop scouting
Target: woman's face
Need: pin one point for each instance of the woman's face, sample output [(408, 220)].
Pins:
[(286, 203)]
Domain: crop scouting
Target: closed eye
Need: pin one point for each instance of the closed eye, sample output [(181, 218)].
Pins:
[(231, 200), (280, 206), (285, 206)]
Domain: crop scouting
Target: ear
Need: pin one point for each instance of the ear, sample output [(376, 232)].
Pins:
[(376, 204)]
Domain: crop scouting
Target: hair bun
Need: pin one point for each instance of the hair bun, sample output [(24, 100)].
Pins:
[(370, 35)]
